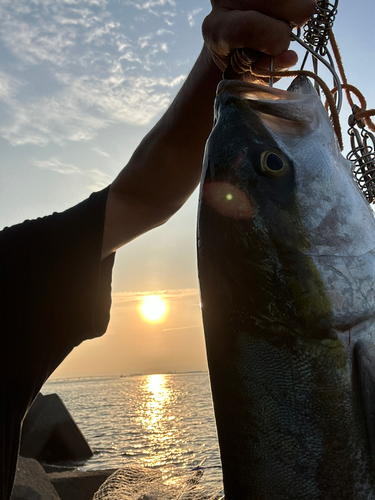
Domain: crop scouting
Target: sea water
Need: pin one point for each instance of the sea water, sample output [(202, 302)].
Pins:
[(151, 420)]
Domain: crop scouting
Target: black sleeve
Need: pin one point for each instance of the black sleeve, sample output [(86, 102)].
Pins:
[(54, 293), (54, 289)]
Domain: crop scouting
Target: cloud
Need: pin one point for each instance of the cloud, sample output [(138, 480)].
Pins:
[(191, 16), (44, 38), (181, 328), (101, 153), (98, 179), (164, 32), (8, 86), (83, 107), (57, 166), (171, 83), (183, 307), (150, 4), (131, 297), (84, 71), (54, 119)]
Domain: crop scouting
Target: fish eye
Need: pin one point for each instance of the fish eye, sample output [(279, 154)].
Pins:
[(273, 163)]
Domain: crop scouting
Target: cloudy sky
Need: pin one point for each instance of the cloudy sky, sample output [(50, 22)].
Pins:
[(81, 82)]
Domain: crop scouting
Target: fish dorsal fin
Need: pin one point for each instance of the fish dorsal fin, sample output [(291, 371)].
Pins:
[(364, 366)]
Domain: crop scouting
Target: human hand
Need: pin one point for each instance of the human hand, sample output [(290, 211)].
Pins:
[(261, 26)]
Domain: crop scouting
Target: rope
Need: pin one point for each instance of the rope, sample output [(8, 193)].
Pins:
[(362, 112)]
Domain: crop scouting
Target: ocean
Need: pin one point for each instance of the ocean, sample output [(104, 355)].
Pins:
[(152, 420)]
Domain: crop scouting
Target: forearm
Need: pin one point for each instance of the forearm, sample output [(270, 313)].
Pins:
[(170, 156), (165, 168)]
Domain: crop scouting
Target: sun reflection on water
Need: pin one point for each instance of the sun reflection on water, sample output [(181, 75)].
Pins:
[(157, 417), (157, 399)]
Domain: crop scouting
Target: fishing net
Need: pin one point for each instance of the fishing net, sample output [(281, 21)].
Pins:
[(141, 483)]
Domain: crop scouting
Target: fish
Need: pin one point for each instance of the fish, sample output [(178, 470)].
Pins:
[(286, 264)]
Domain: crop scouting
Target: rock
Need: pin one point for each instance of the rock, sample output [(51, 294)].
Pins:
[(78, 485), (50, 434), (21, 492), (32, 482)]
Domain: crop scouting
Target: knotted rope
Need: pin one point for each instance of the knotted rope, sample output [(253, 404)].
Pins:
[(361, 113)]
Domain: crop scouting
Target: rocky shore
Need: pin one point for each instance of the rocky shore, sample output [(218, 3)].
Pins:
[(50, 437), (34, 483)]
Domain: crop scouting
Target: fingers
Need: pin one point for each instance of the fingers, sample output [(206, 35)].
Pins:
[(224, 31), (295, 12), (262, 67), (282, 62), (260, 25)]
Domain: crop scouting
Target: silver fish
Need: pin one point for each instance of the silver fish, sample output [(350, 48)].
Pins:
[(286, 254)]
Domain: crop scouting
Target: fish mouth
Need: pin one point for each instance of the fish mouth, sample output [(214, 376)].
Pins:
[(249, 90), (297, 104), (300, 86)]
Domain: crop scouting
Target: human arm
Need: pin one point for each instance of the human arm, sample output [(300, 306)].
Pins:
[(165, 168)]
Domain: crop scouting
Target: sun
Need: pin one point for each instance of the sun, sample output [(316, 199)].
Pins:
[(153, 308)]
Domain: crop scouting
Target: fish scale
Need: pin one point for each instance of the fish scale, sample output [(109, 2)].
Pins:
[(286, 266)]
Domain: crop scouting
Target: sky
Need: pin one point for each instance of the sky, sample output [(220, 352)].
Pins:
[(81, 83)]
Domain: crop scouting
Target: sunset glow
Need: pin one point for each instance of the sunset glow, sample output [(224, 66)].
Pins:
[(153, 308)]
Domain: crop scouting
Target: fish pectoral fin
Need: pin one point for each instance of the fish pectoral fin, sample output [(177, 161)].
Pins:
[(364, 374)]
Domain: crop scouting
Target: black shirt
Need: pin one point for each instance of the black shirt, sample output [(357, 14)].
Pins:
[(54, 293)]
